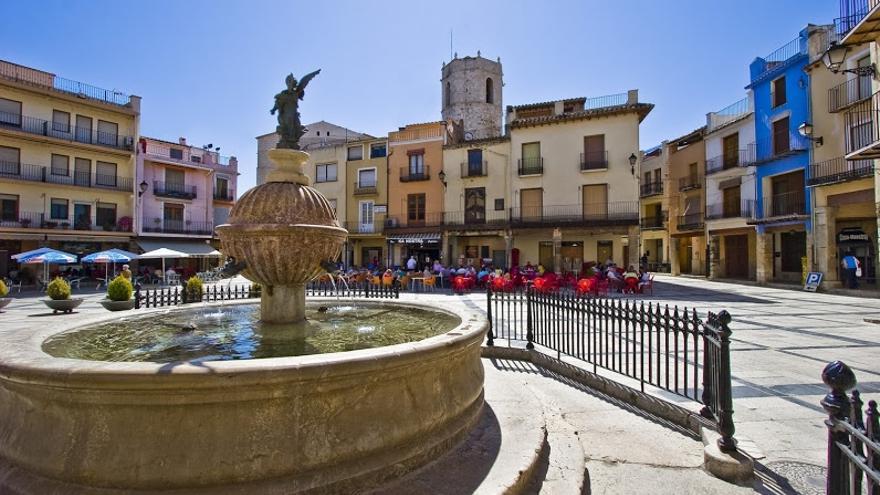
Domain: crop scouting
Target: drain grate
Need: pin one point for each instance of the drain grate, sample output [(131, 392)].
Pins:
[(799, 477)]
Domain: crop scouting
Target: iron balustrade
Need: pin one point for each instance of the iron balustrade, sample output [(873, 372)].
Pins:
[(652, 222), (37, 220), (173, 190), (26, 75), (594, 160), (739, 158), (224, 195), (861, 124), (475, 169), (606, 101), (184, 154), (729, 114), (786, 204), (365, 188), (374, 227), (691, 221), (476, 217), (839, 170), (848, 93), (408, 174), (530, 166), (783, 54), (853, 444), (851, 13), (22, 219), (66, 132), (177, 226), (651, 189), (744, 208), (610, 213), (177, 295), (772, 149), (690, 182), (670, 349)]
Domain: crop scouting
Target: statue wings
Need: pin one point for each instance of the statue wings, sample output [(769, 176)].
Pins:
[(305, 81)]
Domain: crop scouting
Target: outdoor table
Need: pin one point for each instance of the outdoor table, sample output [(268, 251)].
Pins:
[(413, 283)]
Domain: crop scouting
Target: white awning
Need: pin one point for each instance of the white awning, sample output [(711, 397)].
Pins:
[(192, 248)]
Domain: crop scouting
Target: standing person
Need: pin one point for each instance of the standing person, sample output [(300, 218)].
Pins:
[(126, 272), (644, 260), (411, 263), (851, 267)]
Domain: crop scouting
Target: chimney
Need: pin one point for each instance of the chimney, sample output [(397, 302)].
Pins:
[(182, 141)]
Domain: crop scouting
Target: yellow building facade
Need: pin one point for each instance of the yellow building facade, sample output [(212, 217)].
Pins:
[(684, 189), (654, 209), (366, 183)]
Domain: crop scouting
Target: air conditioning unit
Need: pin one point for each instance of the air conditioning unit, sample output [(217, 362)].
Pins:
[(391, 222)]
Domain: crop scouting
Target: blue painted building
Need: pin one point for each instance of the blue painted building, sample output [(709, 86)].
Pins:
[(781, 90)]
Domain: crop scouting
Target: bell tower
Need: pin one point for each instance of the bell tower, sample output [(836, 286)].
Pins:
[(471, 89)]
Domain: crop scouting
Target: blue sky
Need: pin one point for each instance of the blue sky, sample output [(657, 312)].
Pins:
[(208, 70)]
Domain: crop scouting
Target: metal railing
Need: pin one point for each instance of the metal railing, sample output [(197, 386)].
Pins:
[(853, 445), (224, 195), (651, 189), (475, 217), (612, 212), (594, 160), (849, 93), (530, 166), (67, 132), (365, 188), (783, 54), (689, 182), (27, 75), (653, 222), (861, 124), (744, 208), (39, 173), (475, 169), (670, 349), (691, 221), (409, 175), (606, 101), (374, 227), (851, 13), (793, 203), (177, 226), (184, 154), (173, 190), (771, 149), (38, 220), (839, 170), (728, 114), (177, 295), (741, 158)]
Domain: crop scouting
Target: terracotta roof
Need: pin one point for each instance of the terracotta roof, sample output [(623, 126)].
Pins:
[(693, 136), (477, 142), (643, 109), (403, 127)]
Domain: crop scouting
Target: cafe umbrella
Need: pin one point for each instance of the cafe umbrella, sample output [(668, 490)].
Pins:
[(46, 256), (110, 256)]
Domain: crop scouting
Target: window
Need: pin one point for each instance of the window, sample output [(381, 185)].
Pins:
[(8, 208), (105, 215), (777, 92), (475, 205), (647, 177), (731, 150), (172, 216), (10, 161), (221, 188), (108, 133), (415, 208), (60, 121), (58, 209), (325, 172), (378, 150), (10, 112), (658, 176), (780, 136), (475, 163), (731, 205), (692, 173), (595, 201), (105, 174), (417, 164), (499, 204), (82, 172), (60, 165), (367, 177), (594, 152), (864, 88), (82, 216), (83, 129), (490, 91), (355, 153), (448, 94), (531, 159), (175, 153), (531, 202), (366, 217), (195, 159), (175, 176)]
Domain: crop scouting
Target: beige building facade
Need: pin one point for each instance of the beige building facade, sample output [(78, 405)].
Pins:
[(686, 158), (366, 172), (654, 209)]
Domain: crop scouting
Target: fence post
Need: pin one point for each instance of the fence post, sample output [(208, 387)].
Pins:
[(137, 295), (839, 378), (530, 337), (490, 336), (725, 393)]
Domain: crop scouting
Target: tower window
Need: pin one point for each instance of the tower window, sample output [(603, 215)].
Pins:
[(448, 94), (490, 91)]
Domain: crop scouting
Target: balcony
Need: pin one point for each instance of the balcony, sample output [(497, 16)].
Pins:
[(530, 166), (43, 221), (374, 227), (413, 175), (34, 77), (849, 93), (690, 182), (173, 190), (366, 189), (654, 221), (601, 214), (740, 158), (476, 219), (651, 189), (767, 150), (779, 206), (86, 135), (405, 222), (743, 209), (690, 222), (185, 155), (858, 21), (38, 173), (729, 114), (862, 129), (474, 169), (224, 195), (160, 226), (779, 57), (594, 160), (839, 170)]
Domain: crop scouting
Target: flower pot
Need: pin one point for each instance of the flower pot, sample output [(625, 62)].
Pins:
[(117, 305), (4, 301), (63, 305)]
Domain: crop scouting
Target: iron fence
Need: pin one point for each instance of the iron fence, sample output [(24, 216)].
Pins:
[(690, 182), (744, 208), (651, 189), (594, 160), (58, 130), (851, 13), (655, 221), (166, 226), (185, 154), (475, 168), (782, 145), (734, 159), (839, 170), (853, 439), (860, 122), (173, 190), (624, 212), (849, 93), (673, 350), (691, 221), (408, 174), (34, 77), (793, 203), (729, 114), (177, 295), (606, 101), (530, 166)]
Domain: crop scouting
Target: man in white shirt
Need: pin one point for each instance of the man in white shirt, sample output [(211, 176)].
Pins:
[(411, 263)]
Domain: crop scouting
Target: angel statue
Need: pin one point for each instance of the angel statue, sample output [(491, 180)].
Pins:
[(287, 104)]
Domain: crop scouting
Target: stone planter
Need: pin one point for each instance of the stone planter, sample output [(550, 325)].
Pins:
[(63, 305), (117, 305), (4, 301)]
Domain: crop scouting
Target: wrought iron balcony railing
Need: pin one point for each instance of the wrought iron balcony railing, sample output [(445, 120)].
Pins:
[(38, 173), (66, 132), (374, 227), (530, 166), (862, 128), (654, 221), (690, 182), (185, 155), (651, 189), (174, 190), (475, 169), (165, 226), (728, 114), (365, 188), (783, 54), (744, 208), (594, 160), (839, 170), (612, 212), (408, 174), (224, 195), (740, 158), (33, 77), (849, 93), (767, 150), (851, 13), (37, 220), (691, 221), (785, 204)]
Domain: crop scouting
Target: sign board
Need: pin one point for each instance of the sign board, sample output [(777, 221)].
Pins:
[(380, 209), (813, 281), (852, 235)]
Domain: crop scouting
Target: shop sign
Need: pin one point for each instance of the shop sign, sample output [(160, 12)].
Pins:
[(813, 281), (380, 208), (855, 235)]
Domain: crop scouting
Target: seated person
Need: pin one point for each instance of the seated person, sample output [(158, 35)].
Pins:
[(630, 273)]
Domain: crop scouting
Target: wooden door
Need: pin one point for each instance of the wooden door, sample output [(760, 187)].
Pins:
[(731, 150), (595, 201), (531, 203), (736, 256), (732, 203)]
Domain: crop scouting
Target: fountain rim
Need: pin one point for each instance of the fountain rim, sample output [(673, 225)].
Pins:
[(26, 362), (273, 228)]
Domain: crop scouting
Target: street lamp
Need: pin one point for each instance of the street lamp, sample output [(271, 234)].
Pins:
[(806, 130), (632, 163), (142, 188), (836, 55), (442, 177)]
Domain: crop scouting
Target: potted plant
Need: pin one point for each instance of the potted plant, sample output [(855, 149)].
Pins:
[(25, 222), (51, 225), (118, 295), (59, 297), (4, 291), (193, 290), (64, 225), (124, 224)]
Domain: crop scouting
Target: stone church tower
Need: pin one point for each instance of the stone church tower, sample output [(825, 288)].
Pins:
[(471, 92)]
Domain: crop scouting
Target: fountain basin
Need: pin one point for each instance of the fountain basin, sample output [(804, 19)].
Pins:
[(323, 423)]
